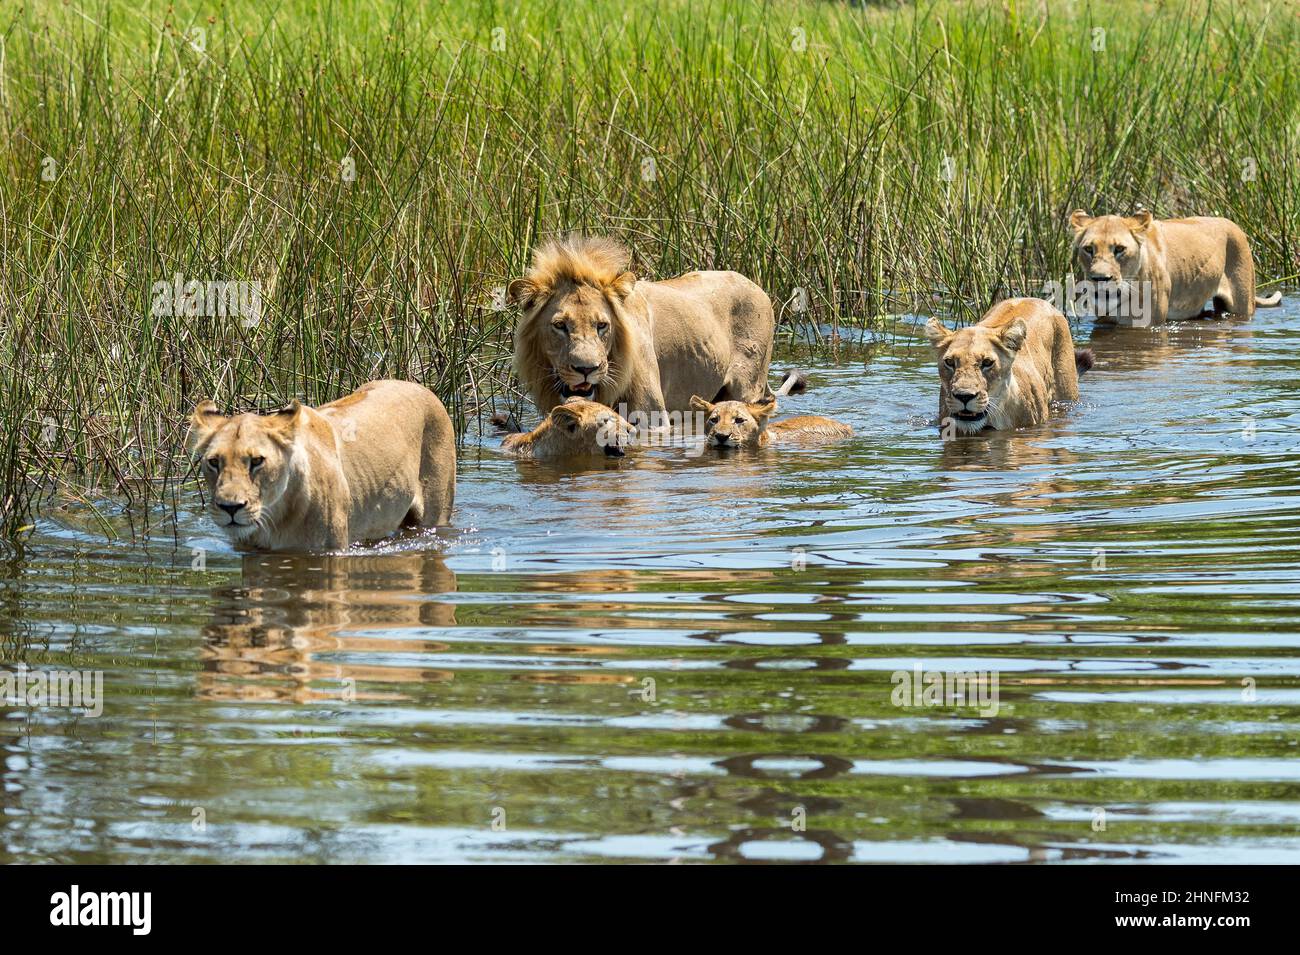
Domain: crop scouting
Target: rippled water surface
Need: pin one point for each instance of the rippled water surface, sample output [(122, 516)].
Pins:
[(676, 658)]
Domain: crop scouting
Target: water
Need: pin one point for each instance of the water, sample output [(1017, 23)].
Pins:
[(691, 659)]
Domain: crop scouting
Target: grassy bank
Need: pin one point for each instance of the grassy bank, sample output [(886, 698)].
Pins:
[(379, 168)]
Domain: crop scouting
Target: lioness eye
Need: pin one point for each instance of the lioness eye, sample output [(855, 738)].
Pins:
[(740, 421), (214, 463), (1090, 249), (987, 363), (255, 463), (713, 420), (950, 362), (559, 326), (602, 327), (1118, 250)]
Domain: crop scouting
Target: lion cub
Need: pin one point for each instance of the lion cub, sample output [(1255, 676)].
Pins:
[(744, 424), (1006, 371), (576, 428), (311, 479), (1181, 264)]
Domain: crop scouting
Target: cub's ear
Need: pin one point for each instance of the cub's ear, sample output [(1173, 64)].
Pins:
[(1079, 220), (566, 416), (1013, 336), (699, 404), (204, 420), (763, 408), (525, 293), (1140, 223), (623, 285), (938, 335)]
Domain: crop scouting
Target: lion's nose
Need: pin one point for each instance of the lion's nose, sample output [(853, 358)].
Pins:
[(964, 396), (1098, 277), (584, 370), (231, 509)]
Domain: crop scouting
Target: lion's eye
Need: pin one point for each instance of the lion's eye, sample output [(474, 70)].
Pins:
[(950, 363), (1090, 249), (1118, 250), (560, 327), (602, 327), (713, 420), (987, 363), (740, 421), (255, 463), (214, 463)]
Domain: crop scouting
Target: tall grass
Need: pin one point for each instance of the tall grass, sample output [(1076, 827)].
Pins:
[(870, 156)]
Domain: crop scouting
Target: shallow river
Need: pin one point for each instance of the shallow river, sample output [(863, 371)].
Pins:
[(695, 659)]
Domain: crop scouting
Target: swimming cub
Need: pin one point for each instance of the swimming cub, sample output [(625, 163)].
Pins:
[(1006, 371), (1175, 266), (576, 428), (311, 479), (744, 424)]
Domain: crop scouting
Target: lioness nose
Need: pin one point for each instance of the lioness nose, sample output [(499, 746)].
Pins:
[(231, 509), (1098, 277), (964, 396), (584, 370)]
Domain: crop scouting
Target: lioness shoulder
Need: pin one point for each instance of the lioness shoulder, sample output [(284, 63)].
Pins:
[(311, 479)]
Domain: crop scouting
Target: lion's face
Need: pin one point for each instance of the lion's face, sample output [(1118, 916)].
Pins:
[(734, 424), (245, 464), (1109, 248), (974, 369), (581, 427)]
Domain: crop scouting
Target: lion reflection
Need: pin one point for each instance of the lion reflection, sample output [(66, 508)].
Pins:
[(286, 633)]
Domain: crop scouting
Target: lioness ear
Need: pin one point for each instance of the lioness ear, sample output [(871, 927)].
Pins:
[(763, 408), (204, 420), (699, 404), (1139, 223), (1079, 220), (935, 331), (1013, 336), (287, 418), (524, 293), (623, 285)]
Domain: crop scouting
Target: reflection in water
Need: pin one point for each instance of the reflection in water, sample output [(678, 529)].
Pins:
[(680, 658), (286, 632)]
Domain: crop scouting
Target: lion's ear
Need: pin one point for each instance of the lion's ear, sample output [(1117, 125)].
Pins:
[(763, 408), (1140, 223), (1079, 220), (288, 418), (566, 416), (1013, 336), (204, 420), (623, 285), (937, 333), (699, 404), (523, 292)]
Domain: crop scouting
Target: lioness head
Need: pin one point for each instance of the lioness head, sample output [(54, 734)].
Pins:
[(580, 427), (735, 424), (569, 337), (1109, 248), (245, 461), (974, 369)]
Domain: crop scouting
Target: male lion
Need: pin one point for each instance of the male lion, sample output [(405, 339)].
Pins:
[(1181, 264), (311, 479), (577, 428), (1006, 371), (589, 329)]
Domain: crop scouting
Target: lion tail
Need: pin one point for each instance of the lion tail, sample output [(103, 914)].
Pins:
[(795, 383), (1084, 359), (1268, 301), (505, 423)]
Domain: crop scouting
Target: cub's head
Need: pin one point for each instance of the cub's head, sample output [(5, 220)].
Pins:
[(735, 424), (974, 369), (580, 427), (246, 463), (1109, 248), (570, 336)]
